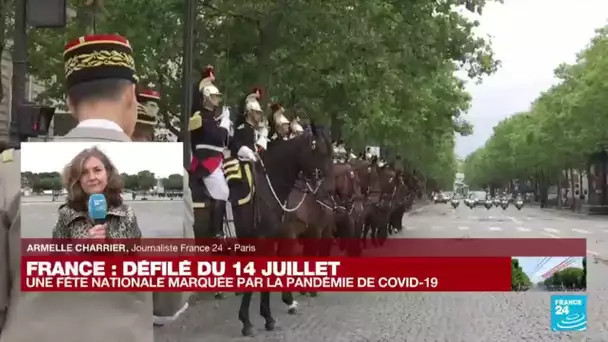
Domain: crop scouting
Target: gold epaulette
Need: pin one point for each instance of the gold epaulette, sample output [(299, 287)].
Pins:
[(7, 156), (196, 121)]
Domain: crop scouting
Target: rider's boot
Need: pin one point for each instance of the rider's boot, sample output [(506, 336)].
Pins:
[(217, 227), (217, 218)]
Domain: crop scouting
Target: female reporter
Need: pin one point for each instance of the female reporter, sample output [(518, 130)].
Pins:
[(92, 172)]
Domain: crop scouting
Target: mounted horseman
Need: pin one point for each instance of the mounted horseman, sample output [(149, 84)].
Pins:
[(248, 118), (280, 125), (209, 129), (268, 178)]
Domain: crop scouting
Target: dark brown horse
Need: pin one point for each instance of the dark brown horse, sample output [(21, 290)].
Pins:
[(309, 211), (275, 177), (349, 208), (409, 189), (283, 163)]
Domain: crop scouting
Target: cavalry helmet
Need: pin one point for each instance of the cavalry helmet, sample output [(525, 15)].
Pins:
[(278, 114), (251, 101), (296, 127), (206, 86)]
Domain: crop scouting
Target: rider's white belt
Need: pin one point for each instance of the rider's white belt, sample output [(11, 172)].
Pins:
[(208, 147)]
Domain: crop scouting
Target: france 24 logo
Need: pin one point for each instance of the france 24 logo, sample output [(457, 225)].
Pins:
[(569, 312)]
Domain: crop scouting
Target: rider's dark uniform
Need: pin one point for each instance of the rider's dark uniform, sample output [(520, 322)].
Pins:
[(208, 141), (244, 135)]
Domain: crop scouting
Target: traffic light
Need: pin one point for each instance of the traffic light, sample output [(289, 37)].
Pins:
[(34, 120)]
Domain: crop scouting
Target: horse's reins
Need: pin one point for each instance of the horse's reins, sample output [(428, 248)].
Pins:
[(274, 194)]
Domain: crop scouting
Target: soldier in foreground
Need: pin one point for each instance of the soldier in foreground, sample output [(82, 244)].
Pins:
[(101, 93), (10, 237)]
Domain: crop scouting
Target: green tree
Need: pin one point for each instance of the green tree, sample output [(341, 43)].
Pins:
[(131, 181), (174, 182), (519, 279), (145, 180), (568, 278), (379, 72), (563, 129), (584, 276)]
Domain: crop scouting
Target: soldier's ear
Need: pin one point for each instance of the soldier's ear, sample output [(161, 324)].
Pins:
[(71, 107), (130, 95)]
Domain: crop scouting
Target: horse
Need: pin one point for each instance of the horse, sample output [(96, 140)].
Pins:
[(370, 172), (349, 200), (405, 195), (320, 213), (275, 177), (310, 210)]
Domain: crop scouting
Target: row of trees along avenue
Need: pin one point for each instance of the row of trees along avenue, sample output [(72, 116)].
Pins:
[(570, 278), (142, 181), (562, 136), (378, 72)]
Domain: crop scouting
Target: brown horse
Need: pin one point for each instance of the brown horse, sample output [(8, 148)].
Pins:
[(275, 177), (349, 201), (405, 195), (308, 211), (319, 213)]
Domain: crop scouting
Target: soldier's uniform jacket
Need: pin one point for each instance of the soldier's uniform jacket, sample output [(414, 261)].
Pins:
[(208, 141), (10, 239), (244, 135), (83, 316)]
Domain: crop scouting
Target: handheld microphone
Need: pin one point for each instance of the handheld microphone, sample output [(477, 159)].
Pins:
[(98, 208)]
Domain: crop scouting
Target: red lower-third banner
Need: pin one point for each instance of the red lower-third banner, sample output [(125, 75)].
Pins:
[(103, 273)]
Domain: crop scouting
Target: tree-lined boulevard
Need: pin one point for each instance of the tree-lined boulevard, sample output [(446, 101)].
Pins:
[(380, 73), (560, 141)]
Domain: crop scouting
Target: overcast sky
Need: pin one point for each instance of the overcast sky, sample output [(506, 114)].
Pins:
[(531, 38), (162, 159)]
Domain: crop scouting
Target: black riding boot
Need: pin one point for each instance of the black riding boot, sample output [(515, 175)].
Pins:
[(217, 217), (217, 226)]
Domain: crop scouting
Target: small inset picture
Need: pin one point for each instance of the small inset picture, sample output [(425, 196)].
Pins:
[(101, 190), (562, 274)]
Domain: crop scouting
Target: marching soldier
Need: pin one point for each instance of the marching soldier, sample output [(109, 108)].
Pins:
[(280, 123), (147, 112), (101, 93), (209, 131)]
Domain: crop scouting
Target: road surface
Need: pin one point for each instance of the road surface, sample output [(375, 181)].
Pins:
[(155, 218), (445, 317)]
